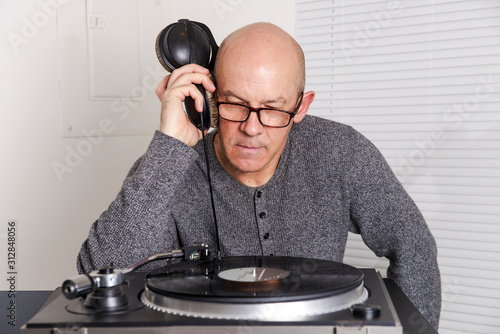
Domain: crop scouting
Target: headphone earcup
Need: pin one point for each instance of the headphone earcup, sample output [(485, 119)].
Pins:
[(186, 42), (183, 43), (160, 48)]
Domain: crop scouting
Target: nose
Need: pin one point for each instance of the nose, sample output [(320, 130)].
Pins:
[(252, 126)]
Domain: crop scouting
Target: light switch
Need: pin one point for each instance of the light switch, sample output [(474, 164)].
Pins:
[(114, 51), (97, 21)]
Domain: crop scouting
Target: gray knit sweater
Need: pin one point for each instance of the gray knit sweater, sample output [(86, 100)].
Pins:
[(330, 180)]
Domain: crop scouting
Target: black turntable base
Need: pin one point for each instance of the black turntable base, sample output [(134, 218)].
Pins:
[(251, 294)]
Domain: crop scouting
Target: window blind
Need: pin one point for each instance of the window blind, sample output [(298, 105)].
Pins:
[(421, 80)]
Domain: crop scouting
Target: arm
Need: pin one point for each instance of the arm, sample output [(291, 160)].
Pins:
[(137, 224), (392, 226)]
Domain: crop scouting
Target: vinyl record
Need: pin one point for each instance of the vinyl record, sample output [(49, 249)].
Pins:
[(234, 287), (298, 278)]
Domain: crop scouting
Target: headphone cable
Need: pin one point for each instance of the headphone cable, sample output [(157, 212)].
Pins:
[(205, 149)]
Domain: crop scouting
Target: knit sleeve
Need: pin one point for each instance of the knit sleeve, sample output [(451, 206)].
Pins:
[(138, 224), (392, 226)]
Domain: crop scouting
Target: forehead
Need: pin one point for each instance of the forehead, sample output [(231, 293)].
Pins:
[(260, 83), (260, 58)]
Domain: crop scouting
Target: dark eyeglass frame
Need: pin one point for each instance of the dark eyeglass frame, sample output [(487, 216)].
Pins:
[(257, 110)]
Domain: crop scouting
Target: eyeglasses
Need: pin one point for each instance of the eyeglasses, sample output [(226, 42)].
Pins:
[(273, 118)]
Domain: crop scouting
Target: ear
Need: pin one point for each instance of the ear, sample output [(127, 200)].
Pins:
[(304, 106)]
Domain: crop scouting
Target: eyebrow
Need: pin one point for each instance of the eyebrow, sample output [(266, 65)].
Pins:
[(280, 99)]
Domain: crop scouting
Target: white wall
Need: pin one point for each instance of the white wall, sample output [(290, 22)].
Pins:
[(53, 216)]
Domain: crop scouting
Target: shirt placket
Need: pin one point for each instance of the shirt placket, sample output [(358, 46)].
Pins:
[(263, 223)]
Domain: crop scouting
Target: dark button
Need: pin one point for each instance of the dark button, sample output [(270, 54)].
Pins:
[(259, 194), (266, 236), (105, 270), (262, 215), (366, 311)]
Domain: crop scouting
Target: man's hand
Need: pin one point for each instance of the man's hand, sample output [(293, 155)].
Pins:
[(172, 91)]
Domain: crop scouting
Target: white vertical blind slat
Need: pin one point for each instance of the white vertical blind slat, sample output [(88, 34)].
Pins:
[(421, 80)]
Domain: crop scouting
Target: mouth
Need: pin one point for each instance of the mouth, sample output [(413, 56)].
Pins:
[(249, 149)]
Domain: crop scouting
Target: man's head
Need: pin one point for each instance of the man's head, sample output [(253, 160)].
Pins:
[(269, 41), (260, 66)]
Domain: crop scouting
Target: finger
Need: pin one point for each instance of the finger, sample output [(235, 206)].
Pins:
[(162, 86), (191, 68), (208, 84), (187, 85), (181, 92), (191, 78)]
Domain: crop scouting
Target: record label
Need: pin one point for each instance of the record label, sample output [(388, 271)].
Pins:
[(253, 274)]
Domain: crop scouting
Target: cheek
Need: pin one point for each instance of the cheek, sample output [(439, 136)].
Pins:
[(278, 138), (227, 135)]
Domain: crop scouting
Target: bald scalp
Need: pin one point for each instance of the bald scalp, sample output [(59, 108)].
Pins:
[(264, 38)]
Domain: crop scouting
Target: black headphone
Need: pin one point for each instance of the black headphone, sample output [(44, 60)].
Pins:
[(187, 42)]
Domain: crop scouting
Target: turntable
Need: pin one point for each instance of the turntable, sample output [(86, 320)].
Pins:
[(211, 294)]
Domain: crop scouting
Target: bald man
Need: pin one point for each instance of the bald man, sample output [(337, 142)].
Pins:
[(284, 183)]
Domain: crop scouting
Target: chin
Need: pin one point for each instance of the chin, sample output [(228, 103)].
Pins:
[(248, 166)]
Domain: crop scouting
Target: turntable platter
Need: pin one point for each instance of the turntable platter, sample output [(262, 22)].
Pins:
[(255, 288)]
